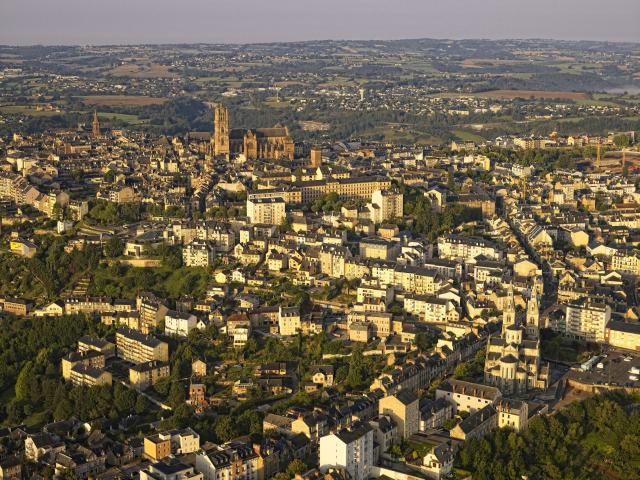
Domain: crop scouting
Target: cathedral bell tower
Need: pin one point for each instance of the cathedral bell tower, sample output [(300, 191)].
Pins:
[(221, 131)]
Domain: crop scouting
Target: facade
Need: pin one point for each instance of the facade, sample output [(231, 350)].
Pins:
[(198, 253), (179, 323), (351, 449), (270, 211), (135, 347), (85, 375), (587, 319), (172, 442), (466, 248), (289, 321), (623, 335), (230, 461), (157, 447), (403, 408), (91, 358), (512, 414), (467, 396), (476, 425), (15, 306), (143, 375), (385, 205)]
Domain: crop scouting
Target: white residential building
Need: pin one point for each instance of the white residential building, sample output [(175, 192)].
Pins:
[(179, 323), (587, 320), (351, 449), (198, 253), (266, 210)]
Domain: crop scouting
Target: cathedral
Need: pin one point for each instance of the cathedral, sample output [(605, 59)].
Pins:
[(513, 359), (259, 143)]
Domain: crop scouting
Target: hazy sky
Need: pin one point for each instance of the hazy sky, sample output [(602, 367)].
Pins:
[(173, 21)]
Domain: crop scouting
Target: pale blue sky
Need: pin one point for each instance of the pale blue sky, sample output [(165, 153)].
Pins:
[(245, 21)]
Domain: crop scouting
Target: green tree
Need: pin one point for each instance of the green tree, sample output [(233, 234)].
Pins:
[(296, 467), (142, 405), (114, 247)]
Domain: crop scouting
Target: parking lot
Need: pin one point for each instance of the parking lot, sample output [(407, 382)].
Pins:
[(616, 369)]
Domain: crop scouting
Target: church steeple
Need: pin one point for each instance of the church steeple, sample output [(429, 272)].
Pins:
[(533, 316), (509, 311), (96, 124)]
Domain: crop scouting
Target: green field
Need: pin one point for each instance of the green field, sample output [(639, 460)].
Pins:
[(120, 117), (467, 136), (27, 110)]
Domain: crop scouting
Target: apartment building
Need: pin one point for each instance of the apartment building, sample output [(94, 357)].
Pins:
[(623, 335), (378, 249), (380, 323), (345, 188), (136, 347), (270, 211), (431, 308), (349, 448), (106, 348), (230, 461), (87, 305), (454, 247), (86, 375), (89, 358), (170, 471), (467, 396), (15, 306), (385, 205), (179, 323), (626, 263), (512, 414), (289, 321), (143, 375), (587, 319), (172, 442), (198, 253), (403, 408), (151, 311)]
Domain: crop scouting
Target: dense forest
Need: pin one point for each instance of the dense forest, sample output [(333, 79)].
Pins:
[(595, 439), (33, 390)]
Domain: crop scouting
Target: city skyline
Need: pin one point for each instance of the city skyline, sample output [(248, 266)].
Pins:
[(248, 21)]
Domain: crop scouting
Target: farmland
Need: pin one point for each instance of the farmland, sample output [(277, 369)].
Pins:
[(122, 100)]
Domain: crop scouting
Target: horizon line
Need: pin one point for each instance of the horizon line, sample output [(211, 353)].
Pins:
[(320, 40)]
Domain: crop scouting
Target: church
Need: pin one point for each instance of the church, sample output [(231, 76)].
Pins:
[(254, 144), (513, 359)]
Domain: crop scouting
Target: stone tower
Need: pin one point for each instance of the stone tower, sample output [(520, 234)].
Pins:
[(509, 312), (533, 316), (95, 128), (316, 156), (221, 131)]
